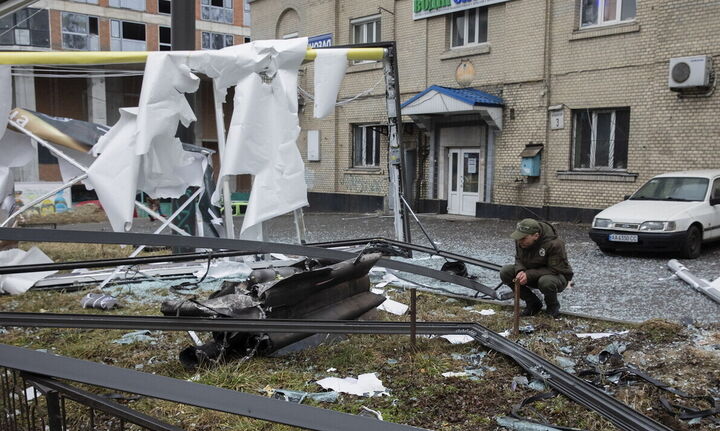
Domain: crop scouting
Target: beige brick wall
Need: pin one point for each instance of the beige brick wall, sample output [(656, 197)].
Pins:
[(614, 66)]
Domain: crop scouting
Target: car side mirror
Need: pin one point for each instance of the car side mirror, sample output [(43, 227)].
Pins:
[(626, 197), (714, 201)]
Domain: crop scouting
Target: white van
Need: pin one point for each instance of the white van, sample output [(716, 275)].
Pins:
[(677, 211)]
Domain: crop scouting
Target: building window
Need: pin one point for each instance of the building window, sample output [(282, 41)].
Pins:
[(128, 4), (27, 27), (366, 146), (217, 10), (366, 30), (468, 27), (127, 36), (216, 40), (246, 39), (605, 12), (601, 139), (247, 18), (165, 7), (80, 32), (164, 39)]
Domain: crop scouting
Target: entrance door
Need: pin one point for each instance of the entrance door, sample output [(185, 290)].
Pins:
[(465, 180)]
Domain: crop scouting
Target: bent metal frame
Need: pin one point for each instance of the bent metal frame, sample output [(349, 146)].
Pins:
[(382, 51), (45, 368)]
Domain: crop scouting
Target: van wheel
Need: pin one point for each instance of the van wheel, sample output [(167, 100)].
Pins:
[(693, 243)]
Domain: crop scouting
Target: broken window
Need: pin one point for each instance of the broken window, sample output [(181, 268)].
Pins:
[(468, 27), (603, 12), (366, 146), (80, 32), (26, 27), (601, 138), (127, 36), (128, 4), (216, 40), (165, 38), (217, 10), (165, 7)]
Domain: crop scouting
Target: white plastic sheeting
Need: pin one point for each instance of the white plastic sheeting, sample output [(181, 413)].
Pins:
[(16, 284), (5, 96), (121, 168), (330, 66), (16, 151), (264, 128)]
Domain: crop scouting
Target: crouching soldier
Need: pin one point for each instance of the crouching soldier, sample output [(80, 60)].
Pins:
[(540, 263)]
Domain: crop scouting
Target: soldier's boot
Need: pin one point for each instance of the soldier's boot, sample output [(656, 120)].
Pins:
[(533, 305), (552, 303)]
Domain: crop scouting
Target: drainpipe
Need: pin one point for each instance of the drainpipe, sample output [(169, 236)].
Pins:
[(547, 69)]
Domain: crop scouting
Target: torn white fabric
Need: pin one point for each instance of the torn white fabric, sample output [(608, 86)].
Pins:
[(67, 170), (16, 151), (5, 97), (366, 384), (596, 335), (458, 339), (393, 307), (330, 66), (264, 128), (16, 284), (114, 174), (120, 170), (162, 102)]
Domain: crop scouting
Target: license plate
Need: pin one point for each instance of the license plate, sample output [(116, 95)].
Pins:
[(623, 238)]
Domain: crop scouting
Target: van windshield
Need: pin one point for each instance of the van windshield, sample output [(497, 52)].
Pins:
[(673, 189)]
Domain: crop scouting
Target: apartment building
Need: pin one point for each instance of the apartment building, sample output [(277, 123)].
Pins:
[(95, 93), (512, 108)]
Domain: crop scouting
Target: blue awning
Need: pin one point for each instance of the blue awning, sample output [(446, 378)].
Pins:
[(443, 100)]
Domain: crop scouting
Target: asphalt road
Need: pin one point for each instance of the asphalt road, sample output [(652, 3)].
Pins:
[(629, 286)]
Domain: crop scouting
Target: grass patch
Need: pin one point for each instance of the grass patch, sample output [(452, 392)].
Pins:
[(418, 393)]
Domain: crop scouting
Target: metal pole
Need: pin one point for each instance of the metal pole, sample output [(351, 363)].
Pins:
[(516, 309), (227, 202), (413, 317), (396, 156), (300, 225), (52, 398)]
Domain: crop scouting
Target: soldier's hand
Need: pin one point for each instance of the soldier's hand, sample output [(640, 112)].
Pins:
[(521, 277)]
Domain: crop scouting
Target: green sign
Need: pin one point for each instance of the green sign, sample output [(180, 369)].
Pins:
[(427, 8)]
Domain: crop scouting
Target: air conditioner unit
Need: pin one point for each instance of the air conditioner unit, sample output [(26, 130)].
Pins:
[(688, 72)]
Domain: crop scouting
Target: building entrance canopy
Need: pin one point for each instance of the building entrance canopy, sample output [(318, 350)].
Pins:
[(444, 100)]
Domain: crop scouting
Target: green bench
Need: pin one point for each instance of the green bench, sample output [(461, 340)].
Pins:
[(238, 203)]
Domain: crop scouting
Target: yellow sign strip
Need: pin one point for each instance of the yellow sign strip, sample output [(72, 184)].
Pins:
[(120, 57)]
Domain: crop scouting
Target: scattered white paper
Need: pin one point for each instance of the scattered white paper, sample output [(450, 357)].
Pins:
[(330, 66), (458, 339), (455, 374), (393, 307), (365, 385), (483, 312), (505, 333), (31, 393), (15, 284), (331, 370), (596, 335), (377, 291)]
